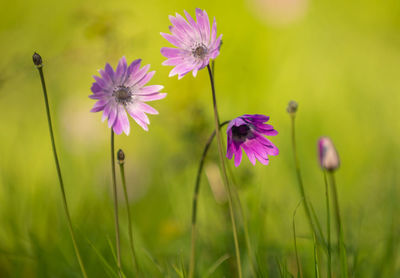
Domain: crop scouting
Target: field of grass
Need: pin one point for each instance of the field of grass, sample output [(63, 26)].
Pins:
[(339, 60)]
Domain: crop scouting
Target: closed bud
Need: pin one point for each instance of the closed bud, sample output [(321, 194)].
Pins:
[(121, 156), (37, 59), (328, 156), (292, 107)]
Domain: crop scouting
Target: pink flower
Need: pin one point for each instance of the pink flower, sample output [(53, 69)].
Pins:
[(124, 90), (196, 45)]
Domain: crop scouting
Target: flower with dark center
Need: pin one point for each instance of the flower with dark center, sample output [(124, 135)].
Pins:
[(247, 132), (196, 43), (124, 90)]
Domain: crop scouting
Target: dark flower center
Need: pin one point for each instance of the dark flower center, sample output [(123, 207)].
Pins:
[(122, 95), (241, 133), (200, 51)]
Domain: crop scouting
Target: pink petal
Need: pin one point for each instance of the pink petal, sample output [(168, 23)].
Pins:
[(151, 97), (172, 39), (203, 24), (149, 90), (146, 79), (169, 52), (147, 108), (113, 114), (123, 119)]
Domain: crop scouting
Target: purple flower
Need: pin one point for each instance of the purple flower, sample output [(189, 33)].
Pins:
[(196, 46), (123, 90), (247, 132), (328, 156)]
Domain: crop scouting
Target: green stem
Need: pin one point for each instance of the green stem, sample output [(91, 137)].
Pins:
[(328, 227), (339, 227), (225, 176), (300, 182), (194, 202), (117, 240), (299, 272), (246, 233), (135, 262), (64, 198)]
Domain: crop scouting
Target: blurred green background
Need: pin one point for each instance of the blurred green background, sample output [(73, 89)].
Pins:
[(340, 60)]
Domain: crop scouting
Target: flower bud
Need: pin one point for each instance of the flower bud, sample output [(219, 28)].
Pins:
[(292, 107), (121, 156), (37, 59), (328, 156)]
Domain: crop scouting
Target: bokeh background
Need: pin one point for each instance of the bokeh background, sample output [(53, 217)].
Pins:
[(340, 60)]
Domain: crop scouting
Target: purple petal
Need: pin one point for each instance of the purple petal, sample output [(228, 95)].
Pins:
[(238, 157), (110, 71), (99, 105), (249, 153), (95, 88), (117, 126), (121, 70), (145, 79)]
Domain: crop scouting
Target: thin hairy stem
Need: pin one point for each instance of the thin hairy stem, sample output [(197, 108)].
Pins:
[(135, 262), (117, 240), (301, 186), (339, 227), (224, 174), (299, 272), (253, 266), (194, 203), (328, 227), (60, 179)]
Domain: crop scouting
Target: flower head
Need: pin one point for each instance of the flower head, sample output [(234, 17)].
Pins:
[(247, 132), (328, 156), (124, 90), (196, 44)]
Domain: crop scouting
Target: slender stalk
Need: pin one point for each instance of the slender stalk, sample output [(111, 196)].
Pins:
[(300, 182), (117, 241), (194, 203), (328, 227), (299, 272), (253, 266), (339, 227), (60, 179), (135, 262), (225, 176)]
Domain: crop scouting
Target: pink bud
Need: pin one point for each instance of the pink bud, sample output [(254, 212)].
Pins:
[(328, 156)]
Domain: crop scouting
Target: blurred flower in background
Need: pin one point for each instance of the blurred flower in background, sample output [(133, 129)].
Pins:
[(279, 12)]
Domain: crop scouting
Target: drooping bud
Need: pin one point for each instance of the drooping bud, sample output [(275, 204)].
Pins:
[(121, 156), (328, 156), (37, 59), (292, 107)]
